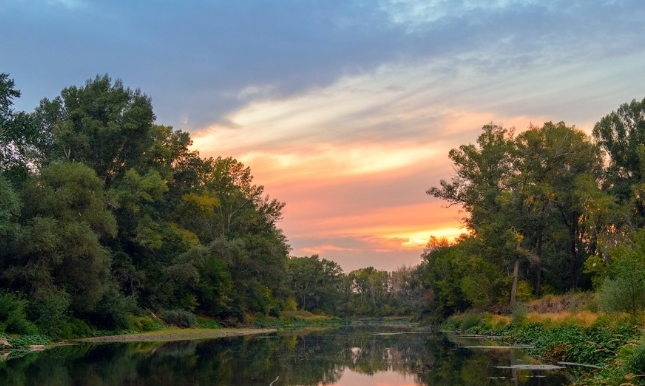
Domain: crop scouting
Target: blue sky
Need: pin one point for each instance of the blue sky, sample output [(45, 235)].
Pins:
[(346, 110)]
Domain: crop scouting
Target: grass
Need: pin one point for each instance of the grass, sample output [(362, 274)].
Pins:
[(567, 328), (564, 319)]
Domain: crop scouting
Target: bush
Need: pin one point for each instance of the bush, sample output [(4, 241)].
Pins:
[(591, 345), (179, 318), (204, 322), (48, 309), (144, 323), (463, 322), (623, 294), (113, 311), (626, 291), (519, 314), (13, 317), (637, 362), (77, 328)]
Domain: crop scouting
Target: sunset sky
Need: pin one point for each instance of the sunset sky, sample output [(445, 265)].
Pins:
[(343, 109)]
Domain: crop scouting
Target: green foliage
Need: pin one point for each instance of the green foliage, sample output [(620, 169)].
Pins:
[(24, 341), (637, 361), (519, 314), (205, 322), (316, 283), (102, 124), (103, 213), (49, 310), (591, 345), (9, 208), (113, 310), (179, 318), (145, 323), (621, 134), (625, 291), (462, 322), (13, 316), (75, 328)]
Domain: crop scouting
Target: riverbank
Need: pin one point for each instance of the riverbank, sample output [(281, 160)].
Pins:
[(174, 334), (596, 348), (18, 346)]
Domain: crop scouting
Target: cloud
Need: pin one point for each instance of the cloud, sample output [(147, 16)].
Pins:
[(345, 109), (197, 60)]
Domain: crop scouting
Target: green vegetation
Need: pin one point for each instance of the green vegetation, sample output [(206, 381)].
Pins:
[(109, 222), (107, 218)]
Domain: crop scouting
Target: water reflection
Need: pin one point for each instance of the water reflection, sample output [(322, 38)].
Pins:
[(342, 357)]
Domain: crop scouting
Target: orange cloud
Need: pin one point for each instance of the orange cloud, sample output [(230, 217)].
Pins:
[(353, 161)]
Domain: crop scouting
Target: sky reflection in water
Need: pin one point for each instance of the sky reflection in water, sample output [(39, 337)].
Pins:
[(338, 357)]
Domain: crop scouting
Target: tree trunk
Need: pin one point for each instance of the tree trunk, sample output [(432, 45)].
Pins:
[(516, 269), (538, 264), (573, 233)]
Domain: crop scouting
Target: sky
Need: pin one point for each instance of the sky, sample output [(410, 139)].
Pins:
[(343, 109)]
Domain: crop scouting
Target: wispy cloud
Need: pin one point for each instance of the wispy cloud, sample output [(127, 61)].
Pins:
[(346, 109)]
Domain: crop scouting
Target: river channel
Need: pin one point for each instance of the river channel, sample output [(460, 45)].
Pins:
[(365, 356)]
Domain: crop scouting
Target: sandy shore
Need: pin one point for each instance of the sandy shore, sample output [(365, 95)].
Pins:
[(177, 334)]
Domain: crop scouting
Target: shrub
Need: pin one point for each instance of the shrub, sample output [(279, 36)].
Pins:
[(13, 317), (625, 293), (626, 290), (113, 310), (48, 309), (519, 314), (637, 361), (463, 322), (76, 328), (144, 323), (204, 322), (179, 318)]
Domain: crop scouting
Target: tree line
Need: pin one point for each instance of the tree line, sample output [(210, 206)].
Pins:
[(549, 210), (106, 215)]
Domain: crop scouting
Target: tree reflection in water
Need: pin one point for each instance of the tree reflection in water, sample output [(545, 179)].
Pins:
[(364, 356)]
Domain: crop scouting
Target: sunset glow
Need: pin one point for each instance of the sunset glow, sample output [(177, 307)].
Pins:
[(346, 111)]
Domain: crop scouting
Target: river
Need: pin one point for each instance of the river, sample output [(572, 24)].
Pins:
[(365, 356)]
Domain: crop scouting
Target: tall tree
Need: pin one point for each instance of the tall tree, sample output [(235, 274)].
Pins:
[(59, 248), (20, 140), (556, 164), (622, 135), (102, 124), (484, 176), (316, 283)]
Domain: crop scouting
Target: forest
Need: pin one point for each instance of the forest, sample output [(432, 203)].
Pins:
[(107, 217)]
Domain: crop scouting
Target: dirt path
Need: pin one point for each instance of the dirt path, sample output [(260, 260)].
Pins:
[(177, 334)]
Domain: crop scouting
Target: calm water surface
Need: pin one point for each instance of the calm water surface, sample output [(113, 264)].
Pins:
[(348, 357)]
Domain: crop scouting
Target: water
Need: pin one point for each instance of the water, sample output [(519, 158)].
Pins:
[(342, 357)]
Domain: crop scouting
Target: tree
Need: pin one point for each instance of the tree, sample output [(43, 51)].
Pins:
[(485, 174), (622, 135), (9, 209), (557, 166), (59, 247), (102, 124), (316, 283), (20, 140), (624, 288)]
